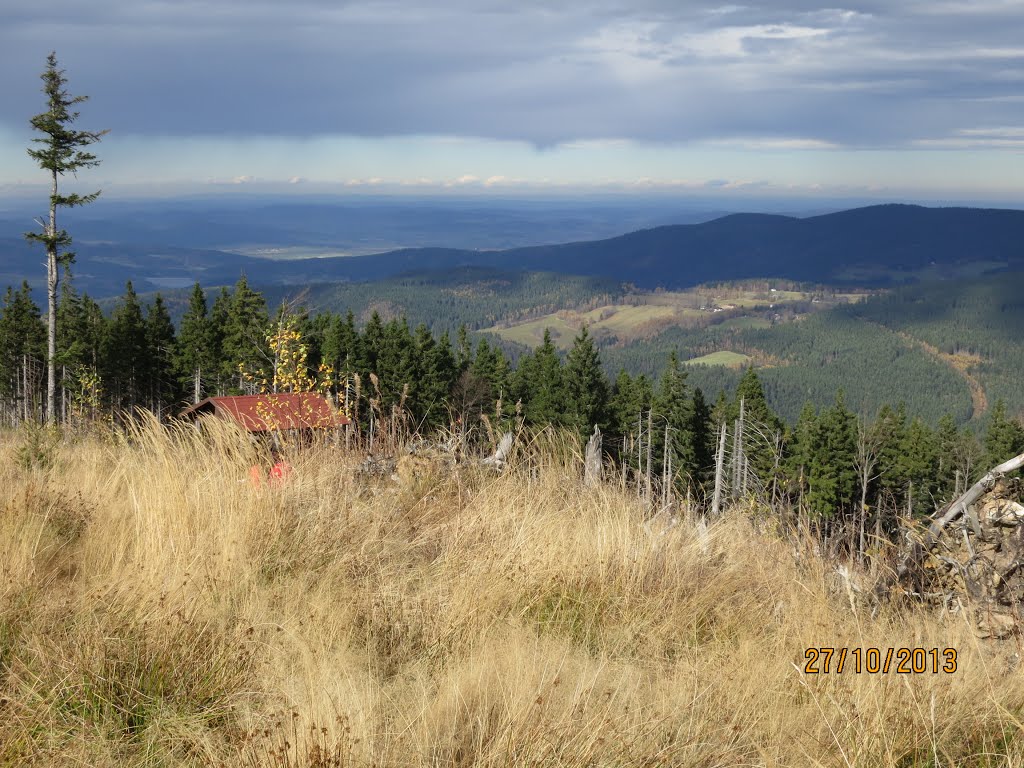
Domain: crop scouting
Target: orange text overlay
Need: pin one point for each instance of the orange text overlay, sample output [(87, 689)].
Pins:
[(902, 661)]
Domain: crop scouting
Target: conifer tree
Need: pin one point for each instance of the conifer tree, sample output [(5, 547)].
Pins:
[(125, 352), (959, 457), (539, 385), (463, 349), (372, 342), (221, 377), (832, 475), (891, 428), (193, 352), (673, 409), (1004, 438), (489, 369), (61, 152), (22, 349), (802, 446), (586, 386), (81, 330), (244, 353), (703, 437), (81, 327), (341, 344), (161, 383), (920, 465), (396, 364), (762, 430), (630, 399), (437, 375)]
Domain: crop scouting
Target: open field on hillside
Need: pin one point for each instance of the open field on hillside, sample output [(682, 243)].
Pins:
[(644, 315), (156, 609), (732, 359)]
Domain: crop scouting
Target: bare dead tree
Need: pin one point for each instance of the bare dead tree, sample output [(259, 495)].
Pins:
[(869, 442), (716, 503)]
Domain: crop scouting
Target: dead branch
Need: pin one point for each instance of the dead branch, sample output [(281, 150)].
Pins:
[(962, 506)]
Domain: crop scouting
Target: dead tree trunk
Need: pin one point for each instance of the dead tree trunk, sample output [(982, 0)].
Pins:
[(592, 465), (650, 433), (666, 470), (639, 451), (716, 503)]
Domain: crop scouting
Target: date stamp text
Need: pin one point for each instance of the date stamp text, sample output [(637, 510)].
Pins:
[(902, 661)]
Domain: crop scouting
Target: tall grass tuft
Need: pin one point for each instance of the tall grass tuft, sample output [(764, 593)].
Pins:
[(157, 608)]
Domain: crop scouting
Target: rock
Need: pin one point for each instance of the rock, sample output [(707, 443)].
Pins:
[(1003, 512), (996, 625)]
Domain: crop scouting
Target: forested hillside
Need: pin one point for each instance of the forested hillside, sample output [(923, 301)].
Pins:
[(942, 347), (879, 245), (663, 423)]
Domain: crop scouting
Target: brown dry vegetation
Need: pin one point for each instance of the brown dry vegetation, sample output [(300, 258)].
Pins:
[(156, 609)]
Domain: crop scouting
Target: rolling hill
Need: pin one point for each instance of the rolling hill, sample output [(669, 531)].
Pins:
[(876, 245)]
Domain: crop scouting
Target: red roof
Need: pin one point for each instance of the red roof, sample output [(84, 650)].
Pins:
[(268, 413)]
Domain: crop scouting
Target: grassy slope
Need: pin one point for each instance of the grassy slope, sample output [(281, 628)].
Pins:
[(156, 609), (733, 359)]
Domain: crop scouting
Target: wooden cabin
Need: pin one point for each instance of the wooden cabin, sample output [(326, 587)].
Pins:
[(270, 413)]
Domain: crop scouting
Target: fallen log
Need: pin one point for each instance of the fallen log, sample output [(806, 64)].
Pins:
[(962, 506)]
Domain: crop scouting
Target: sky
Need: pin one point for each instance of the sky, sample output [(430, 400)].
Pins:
[(894, 99)]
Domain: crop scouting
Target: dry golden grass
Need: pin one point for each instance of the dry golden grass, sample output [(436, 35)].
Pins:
[(156, 609)]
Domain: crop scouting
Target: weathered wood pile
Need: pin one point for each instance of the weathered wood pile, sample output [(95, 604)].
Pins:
[(423, 458), (972, 556)]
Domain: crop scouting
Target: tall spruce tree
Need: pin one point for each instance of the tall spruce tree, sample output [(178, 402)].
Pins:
[(436, 375), (372, 343), (673, 414), (341, 345), (161, 384), (193, 350), (832, 474), (245, 357), (703, 437), (463, 349), (539, 385), (220, 379), (891, 429), (125, 353), (396, 364), (802, 446), (920, 466), (629, 398), (62, 151), (586, 386), (483, 368)]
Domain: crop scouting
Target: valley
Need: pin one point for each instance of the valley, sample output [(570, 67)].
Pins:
[(891, 303)]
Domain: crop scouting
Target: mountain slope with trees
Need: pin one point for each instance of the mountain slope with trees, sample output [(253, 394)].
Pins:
[(881, 245)]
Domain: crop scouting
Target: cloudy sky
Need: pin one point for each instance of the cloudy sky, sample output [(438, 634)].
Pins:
[(893, 98)]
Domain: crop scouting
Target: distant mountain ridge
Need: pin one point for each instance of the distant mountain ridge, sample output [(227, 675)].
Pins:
[(880, 244), (883, 238)]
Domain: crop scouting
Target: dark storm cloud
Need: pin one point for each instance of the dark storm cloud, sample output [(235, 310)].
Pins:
[(861, 74)]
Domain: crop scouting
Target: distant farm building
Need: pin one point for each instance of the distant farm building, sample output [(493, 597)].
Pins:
[(270, 413)]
